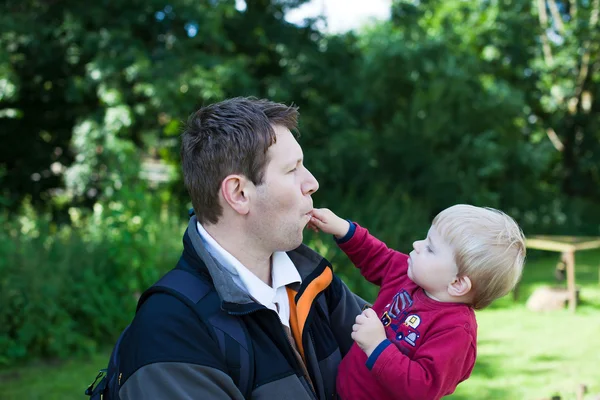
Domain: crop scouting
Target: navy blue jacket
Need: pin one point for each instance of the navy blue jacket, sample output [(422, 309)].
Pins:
[(168, 352)]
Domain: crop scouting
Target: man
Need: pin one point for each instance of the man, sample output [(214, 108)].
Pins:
[(251, 193)]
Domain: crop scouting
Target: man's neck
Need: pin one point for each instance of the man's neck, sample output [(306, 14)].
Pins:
[(236, 243)]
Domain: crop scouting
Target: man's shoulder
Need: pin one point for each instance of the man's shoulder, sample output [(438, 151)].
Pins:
[(168, 349), (167, 330), (161, 310)]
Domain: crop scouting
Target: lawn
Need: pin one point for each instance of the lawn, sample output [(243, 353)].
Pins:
[(521, 354), (526, 355)]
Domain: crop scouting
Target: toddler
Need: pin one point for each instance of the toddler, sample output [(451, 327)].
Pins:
[(419, 340)]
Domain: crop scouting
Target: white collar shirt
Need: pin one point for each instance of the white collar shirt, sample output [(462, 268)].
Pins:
[(283, 273)]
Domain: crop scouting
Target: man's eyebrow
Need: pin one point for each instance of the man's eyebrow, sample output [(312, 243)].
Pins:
[(292, 164)]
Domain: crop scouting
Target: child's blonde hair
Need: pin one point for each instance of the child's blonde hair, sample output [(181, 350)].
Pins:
[(489, 248)]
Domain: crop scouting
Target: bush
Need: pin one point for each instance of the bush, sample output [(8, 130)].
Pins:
[(66, 290)]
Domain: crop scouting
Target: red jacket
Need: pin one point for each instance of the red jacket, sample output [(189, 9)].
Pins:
[(430, 346)]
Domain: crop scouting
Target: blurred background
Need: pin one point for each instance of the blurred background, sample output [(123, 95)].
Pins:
[(407, 107)]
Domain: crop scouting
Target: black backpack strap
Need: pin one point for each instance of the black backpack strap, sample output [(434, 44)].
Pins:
[(228, 330), (178, 282), (232, 338)]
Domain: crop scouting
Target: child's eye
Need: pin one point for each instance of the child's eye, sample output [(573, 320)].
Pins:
[(293, 170), (429, 249)]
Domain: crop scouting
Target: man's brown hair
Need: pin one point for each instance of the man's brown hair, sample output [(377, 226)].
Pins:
[(229, 137)]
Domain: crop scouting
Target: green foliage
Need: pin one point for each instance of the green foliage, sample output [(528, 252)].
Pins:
[(452, 101), (445, 102), (84, 85), (490, 102), (67, 289)]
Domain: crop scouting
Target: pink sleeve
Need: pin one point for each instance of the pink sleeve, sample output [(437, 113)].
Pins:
[(372, 256), (437, 367)]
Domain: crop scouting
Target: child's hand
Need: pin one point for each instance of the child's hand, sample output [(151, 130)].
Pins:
[(325, 220), (368, 331)]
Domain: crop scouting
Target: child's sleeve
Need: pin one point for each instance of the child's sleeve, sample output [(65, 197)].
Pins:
[(438, 366), (370, 255)]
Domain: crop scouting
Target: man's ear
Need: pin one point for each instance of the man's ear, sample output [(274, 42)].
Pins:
[(460, 286), (235, 192)]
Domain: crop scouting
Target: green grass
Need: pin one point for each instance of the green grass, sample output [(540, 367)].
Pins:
[(521, 354), (52, 380), (527, 355)]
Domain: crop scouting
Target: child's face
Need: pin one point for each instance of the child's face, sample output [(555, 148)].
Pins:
[(431, 264)]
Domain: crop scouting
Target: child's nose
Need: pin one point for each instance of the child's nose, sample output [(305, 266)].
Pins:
[(416, 246)]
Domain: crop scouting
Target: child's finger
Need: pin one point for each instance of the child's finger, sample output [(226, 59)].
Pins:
[(316, 222), (369, 313), (316, 212), (360, 319), (319, 214)]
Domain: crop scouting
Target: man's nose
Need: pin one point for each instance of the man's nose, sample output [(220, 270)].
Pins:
[(310, 185)]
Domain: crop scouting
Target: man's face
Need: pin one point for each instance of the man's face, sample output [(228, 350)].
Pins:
[(431, 264), (282, 203)]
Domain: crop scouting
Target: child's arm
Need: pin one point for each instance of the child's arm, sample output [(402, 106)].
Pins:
[(441, 362), (366, 252)]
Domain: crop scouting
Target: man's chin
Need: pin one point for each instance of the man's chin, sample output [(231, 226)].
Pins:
[(300, 240), (292, 244)]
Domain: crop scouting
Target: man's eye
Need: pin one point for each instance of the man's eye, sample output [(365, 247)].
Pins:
[(293, 170)]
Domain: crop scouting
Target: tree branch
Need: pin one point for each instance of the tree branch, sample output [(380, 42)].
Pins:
[(558, 145), (556, 16), (544, 23), (585, 58), (594, 14), (573, 10)]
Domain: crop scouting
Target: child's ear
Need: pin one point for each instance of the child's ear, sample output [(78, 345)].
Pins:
[(460, 286)]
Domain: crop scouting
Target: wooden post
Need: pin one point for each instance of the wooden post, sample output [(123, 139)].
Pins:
[(581, 391), (567, 245), (569, 257)]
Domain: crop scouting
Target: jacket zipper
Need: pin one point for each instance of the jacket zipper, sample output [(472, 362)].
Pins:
[(240, 313)]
